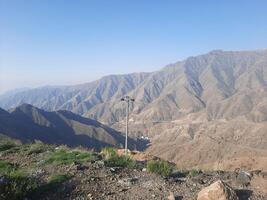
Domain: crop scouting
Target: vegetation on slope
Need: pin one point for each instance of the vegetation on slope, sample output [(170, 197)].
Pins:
[(40, 171), (112, 159), (159, 167)]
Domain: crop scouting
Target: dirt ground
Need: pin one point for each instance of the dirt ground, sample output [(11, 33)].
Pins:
[(95, 181)]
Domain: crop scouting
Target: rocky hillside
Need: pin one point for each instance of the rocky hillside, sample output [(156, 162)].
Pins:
[(217, 145), (28, 123), (79, 99), (224, 84), (208, 111), (40, 171)]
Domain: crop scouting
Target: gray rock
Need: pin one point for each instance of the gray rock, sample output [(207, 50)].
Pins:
[(127, 181), (243, 178), (216, 191)]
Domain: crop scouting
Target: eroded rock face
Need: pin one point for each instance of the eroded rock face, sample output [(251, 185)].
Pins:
[(217, 191)]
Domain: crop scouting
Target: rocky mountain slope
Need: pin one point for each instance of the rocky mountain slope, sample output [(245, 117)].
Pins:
[(52, 172), (28, 123), (79, 99), (225, 84), (208, 111), (220, 145)]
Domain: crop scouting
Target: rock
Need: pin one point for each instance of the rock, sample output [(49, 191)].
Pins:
[(256, 172), (123, 190), (112, 169), (179, 180), (217, 191), (109, 193), (90, 196), (115, 169), (171, 196), (243, 178), (127, 181), (76, 166), (263, 174), (38, 173)]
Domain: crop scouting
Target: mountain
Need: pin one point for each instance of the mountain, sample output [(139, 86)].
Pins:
[(208, 145), (28, 123), (223, 83), (80, 99), (207, 111)]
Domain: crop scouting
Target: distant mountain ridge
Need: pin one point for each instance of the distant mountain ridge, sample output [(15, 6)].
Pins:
[(28, 123), (80, 98), (207, 111), (211, 81)]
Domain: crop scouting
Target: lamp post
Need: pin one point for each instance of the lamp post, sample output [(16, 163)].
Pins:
[(127, 99)]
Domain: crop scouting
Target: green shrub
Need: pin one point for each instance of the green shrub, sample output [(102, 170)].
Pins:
[(6, 146), (108, 152), (38, 147), (120, 161), (64, 157), (6, 168), (14, 149), (51, 186), (159, 167), (112, 159), (58, 179), (17, 184)]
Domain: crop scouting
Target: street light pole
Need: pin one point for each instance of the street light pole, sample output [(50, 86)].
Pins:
[(127, 99), (126, 129)]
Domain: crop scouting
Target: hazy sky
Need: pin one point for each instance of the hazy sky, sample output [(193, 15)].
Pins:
[(55, 42)]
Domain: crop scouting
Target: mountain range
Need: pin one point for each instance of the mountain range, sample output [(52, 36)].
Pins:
[(225, 84), (207, 111), (28, 124)]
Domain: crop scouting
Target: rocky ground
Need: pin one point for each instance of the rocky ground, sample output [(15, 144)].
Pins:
[(92, 179)]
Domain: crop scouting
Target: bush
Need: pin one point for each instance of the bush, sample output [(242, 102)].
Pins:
[(51, 186), (6, 146), (120, 161), (112, 159), (38, 147), (58, 179), (109, 152), (18, 186), (6, 168), (15, 183), (159, 167), (64, 157)]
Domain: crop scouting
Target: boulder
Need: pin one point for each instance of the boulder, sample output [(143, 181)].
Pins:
[(217, 191), (243, 178)]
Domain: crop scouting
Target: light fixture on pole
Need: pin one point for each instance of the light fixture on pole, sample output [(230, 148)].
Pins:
[(127, 99)]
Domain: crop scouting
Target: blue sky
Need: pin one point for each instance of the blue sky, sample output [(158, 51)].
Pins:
[(55, 42)]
